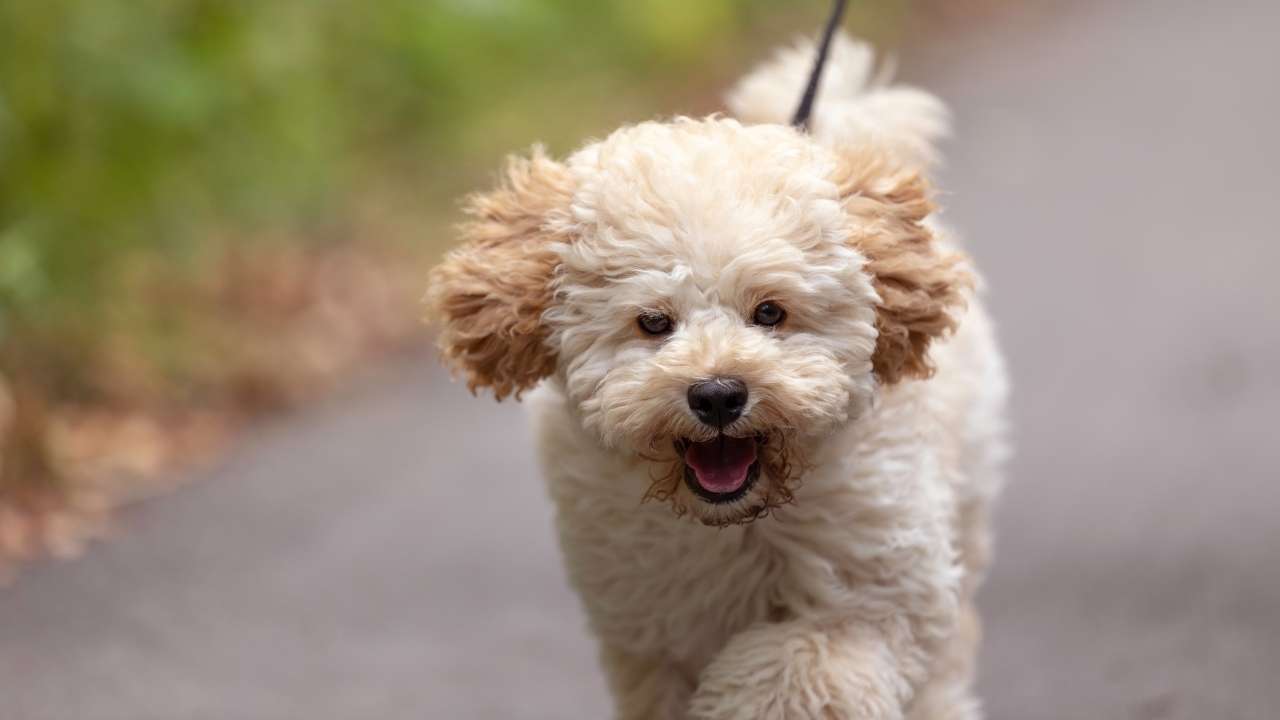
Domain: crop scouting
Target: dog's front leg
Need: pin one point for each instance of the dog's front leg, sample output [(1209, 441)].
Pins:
[(646, 687), (802, 669)]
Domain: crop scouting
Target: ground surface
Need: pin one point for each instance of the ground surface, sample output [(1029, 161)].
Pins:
[(391, 556)]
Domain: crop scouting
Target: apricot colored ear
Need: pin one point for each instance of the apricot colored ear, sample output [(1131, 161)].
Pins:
[(489, 294), (921, 283)]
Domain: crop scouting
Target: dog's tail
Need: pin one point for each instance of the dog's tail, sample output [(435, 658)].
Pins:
[(855, 102)]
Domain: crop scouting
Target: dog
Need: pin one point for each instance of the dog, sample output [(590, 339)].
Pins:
[(768, 402)]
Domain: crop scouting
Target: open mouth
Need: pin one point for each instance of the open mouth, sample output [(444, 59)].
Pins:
[(720, 470)]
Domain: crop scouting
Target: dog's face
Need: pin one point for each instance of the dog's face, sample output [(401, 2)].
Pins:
[(714, 298)]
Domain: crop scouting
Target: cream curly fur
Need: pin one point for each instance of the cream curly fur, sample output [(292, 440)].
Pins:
[(841, 584)]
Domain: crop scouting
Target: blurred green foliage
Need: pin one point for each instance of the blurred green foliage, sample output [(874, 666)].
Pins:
[(159, 128)]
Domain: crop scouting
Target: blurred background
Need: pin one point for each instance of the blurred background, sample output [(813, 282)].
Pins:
[(215, 221)]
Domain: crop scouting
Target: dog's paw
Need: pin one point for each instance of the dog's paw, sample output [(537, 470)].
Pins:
[(789, 671)]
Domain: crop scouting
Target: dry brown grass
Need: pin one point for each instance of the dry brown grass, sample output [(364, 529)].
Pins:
[(271, 326)]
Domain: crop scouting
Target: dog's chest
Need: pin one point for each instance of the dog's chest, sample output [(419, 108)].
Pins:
[(655, 584)]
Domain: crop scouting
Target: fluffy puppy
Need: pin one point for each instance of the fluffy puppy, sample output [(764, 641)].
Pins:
[(768, 405)]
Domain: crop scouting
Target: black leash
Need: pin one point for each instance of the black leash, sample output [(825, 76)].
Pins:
[(801, 118)]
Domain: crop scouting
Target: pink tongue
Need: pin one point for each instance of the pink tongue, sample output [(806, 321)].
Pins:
[(721, 465)]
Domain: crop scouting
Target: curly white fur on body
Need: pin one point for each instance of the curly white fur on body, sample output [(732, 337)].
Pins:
[(840, 583), (845, 602)]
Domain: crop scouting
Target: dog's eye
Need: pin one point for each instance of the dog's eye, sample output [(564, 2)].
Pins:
[(768, 314), (654, 323)]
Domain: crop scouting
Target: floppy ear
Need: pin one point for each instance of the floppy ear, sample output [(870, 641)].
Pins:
[(921, 284), (490, 293)]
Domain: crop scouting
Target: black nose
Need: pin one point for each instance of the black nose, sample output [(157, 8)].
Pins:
[(718, 401)]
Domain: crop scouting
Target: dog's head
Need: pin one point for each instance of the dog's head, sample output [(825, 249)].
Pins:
[(714, 298)]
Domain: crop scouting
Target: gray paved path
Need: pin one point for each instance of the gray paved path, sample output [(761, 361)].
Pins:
[(390, 556)]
